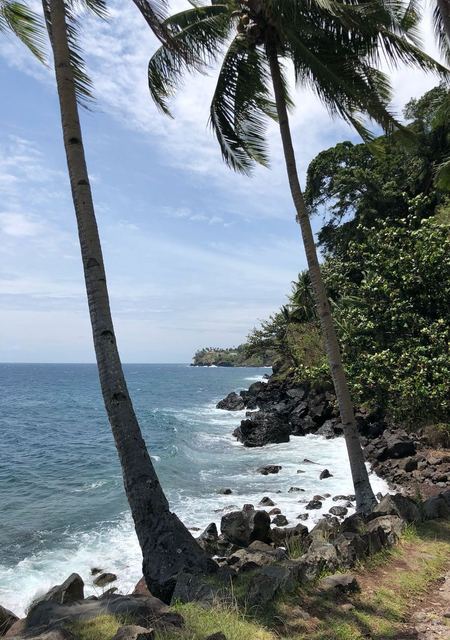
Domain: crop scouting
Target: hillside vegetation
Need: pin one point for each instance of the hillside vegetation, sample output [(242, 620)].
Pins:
[(386, 247)]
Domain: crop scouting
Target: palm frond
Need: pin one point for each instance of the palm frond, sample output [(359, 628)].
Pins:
[(240, 107), (25, 24), (154, 13), (198, 35)]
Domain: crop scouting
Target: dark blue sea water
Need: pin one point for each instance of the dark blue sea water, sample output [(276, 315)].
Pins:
[(62, 499)]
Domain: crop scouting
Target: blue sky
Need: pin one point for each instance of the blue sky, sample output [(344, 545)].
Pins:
[(195, 254)]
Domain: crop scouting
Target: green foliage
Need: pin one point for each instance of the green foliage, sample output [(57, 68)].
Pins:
[(352, 184), (392, 317)]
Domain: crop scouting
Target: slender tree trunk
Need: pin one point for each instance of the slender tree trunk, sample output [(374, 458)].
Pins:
[(365, 499), (167, 546)]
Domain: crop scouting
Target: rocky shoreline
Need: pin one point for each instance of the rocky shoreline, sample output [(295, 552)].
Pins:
[(413, 463), (260, 561), (255, 548)]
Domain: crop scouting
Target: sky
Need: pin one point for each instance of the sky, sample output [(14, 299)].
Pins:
[(195, 254)]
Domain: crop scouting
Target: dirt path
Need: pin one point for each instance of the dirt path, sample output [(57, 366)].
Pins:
[(431, 619)]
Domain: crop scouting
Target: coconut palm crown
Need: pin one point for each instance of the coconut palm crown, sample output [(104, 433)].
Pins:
[(333, 45)]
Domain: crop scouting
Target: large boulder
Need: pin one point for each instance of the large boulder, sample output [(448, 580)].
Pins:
[(71, 590), (399, 444), (436, 507), (232, 402), (319, 558), (392, 525), (267, 582), (351, 548), (7, 619), (261, 428), (399, 505), (243, 527)]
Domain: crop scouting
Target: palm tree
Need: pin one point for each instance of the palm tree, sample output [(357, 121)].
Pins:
[(332, 46), (167, 546)]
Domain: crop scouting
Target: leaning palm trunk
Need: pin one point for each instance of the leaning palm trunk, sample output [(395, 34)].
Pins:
[(443, 7), (166, 544), (365, 499)]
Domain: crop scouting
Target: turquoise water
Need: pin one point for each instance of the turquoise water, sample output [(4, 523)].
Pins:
[(63, 506)]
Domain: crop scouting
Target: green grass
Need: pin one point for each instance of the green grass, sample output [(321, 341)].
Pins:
[(99, 628), (201, 622)]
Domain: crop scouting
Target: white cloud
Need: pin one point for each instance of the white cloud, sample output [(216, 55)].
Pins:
[(19, 225)]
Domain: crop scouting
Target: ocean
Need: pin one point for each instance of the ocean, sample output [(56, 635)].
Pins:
[(62, 499)]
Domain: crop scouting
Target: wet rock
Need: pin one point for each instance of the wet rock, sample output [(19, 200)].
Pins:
[(209, 538), (243, 527), (340, 512), (339, 583), (314, 504), (104, 578), (325, 474), (95, 571), (295, 489), (330, 429), (232, 402), (71, 590), (266, 502), (7, 619), (134, 632), (261, 428), (269, 468), (280, 520), (225, 492), (274, 512), (303, 516)]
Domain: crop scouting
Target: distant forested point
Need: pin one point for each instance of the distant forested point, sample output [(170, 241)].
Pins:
[(232, 357)]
